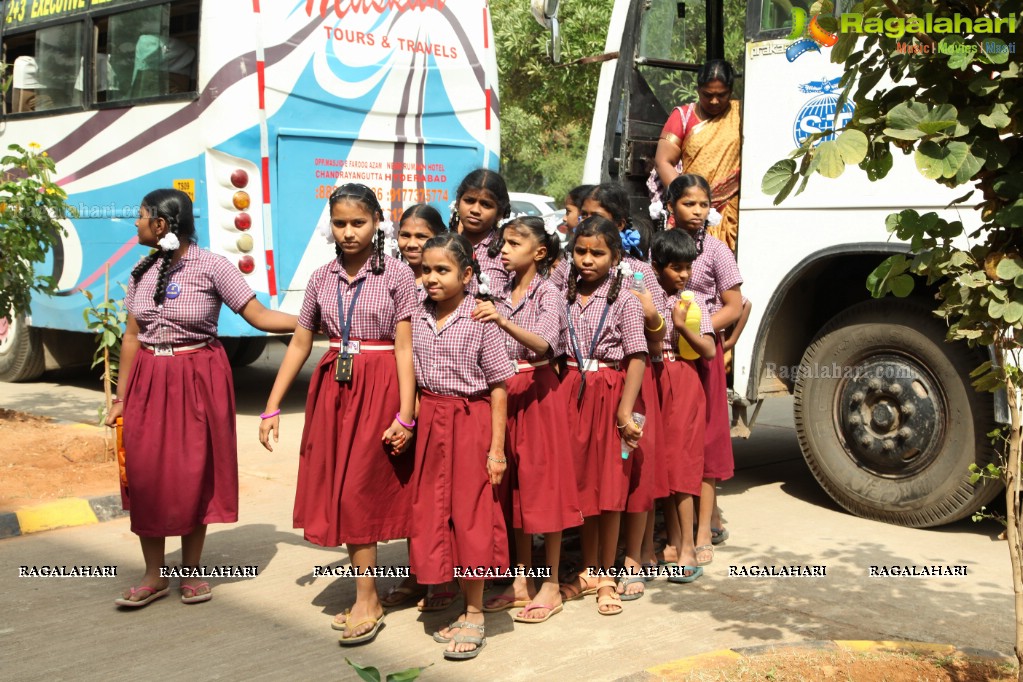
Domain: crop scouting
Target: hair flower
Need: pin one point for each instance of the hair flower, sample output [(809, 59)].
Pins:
[(453, 207), (630, 239), (324, 229), (169, 242), (625, 269), (484, 289), (502, 223), (656, 210), (387, 227), (484, 278), (550, 225), (713, 217)]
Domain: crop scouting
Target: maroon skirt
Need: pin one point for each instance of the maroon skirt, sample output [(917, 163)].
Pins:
[(718, 460), (649, 478), (458, 521), (180, 441), (351, 489), (602, 476), (683, 420), (542, 480)]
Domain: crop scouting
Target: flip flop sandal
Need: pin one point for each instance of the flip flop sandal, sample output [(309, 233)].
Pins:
[(396, 596), (631, 580), (718, 535), (689, 574), (506, 603), (612, 600), (480, 642), (448, 597), (700, 550), (551, 611), (340, 620), (437, 637), (366, 636), (154, 594), (572, 591), (196, 598), (653, 568)]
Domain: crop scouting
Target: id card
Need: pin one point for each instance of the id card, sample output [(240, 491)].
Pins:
[(163, 351), (343, 369), (353, 347), (589, 365)]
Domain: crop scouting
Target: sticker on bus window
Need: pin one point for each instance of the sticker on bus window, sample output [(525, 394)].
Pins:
[(186, 186)]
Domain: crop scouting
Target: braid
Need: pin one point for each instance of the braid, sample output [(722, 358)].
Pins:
[(572, 274), (477, 272), (494, 250), (337, 250), (616, 286), (700, 236), (378, 254), (145, 264), (553, 245), (453, 223), (161, 279), (664, 221)]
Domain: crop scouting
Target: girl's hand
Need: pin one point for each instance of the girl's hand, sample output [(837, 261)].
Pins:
[(265, 427), (496, 469), (645, 298), (486, 311), (116, 410), (727, 344), (678, 314), (630, 431), (398, 437)]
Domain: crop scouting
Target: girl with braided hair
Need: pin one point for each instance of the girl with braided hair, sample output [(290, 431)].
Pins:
[(716, 282), (418, 223), (354, 482), (461, 369), (603, 337), (177, 397), (481, 203), (573, 204), (542, 485)]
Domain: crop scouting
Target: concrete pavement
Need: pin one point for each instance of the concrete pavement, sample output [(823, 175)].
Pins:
[(278, 622)]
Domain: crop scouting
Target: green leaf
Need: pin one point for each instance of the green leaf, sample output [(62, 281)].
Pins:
[(1009, 268), (937, 119), (997, 119), (852, 145), (996, 308), (906, 116), (996, 55), (878, 281), (936, 161), (902, 286), (1013, 312), (976, 372), (970, 167), (786, 190), (406, 675), (831, 164), (368, 673), (777, 176)]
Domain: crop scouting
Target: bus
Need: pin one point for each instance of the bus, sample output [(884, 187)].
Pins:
[(884, 411), (255, 109)]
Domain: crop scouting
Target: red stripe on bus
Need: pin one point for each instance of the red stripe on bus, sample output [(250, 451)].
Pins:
[(488, 109), (255, 6), (486, 34), (261, 83), (118, 255), (271, 277), (266, 180)]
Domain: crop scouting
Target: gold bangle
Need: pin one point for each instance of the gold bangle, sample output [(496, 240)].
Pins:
[(658, 327)]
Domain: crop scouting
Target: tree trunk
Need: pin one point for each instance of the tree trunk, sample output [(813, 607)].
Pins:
[(1012, 512)]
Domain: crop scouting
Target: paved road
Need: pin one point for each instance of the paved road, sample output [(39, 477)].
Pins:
[(277, 623)]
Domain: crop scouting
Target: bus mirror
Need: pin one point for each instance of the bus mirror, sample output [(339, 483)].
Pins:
[(544, 11)]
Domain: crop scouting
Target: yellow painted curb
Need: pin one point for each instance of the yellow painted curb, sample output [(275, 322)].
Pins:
[(868, 645), (685, 665), (71, 512)]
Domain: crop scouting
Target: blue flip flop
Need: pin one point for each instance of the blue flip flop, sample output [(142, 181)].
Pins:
[(693, 572), (718, 535)]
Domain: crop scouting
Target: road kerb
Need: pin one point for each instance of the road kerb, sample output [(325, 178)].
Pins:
[(75, 511)]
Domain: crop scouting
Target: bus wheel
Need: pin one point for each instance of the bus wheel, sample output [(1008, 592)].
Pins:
[(21, 351), (246, 351), (886, 417)]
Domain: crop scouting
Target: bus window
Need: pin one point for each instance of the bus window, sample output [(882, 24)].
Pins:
[(46, 63), (775, 14), (674, 32)]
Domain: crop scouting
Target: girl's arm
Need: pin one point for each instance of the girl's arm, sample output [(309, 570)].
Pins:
[(296, 355), (129, 349), (498, 422), (635, 366), (701, 343), (730, 311), (666, 159), (264, 319), (486, 311), (652, 321), (397, 435), (733, 336)]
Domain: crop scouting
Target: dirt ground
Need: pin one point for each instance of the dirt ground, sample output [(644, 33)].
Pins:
[(841, 666), (42, 461)]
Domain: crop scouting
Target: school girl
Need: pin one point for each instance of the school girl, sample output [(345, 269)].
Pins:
[(481, 203), (716, 282), (649, 472), (354, 483), (603, 334), (544, 497), (177, 398), (683, 403), (461, 368), (573, 203), (418, 223)]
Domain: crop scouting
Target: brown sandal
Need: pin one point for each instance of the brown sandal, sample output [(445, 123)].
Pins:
[(613, 601), (578, 588)]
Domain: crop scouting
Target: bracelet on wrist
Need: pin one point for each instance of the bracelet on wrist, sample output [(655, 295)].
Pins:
[(268, 415), (659, 327), (497, 461), (397, 418), (116, 400)]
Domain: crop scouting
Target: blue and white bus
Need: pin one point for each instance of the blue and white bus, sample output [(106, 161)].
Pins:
[(256, 109)]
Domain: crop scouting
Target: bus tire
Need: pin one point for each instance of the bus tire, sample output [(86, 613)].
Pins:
[(21, 351), (247, 351), (887, 420)]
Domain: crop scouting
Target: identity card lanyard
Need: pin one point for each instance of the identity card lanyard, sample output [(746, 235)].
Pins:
[(593, 345), (343, 371)]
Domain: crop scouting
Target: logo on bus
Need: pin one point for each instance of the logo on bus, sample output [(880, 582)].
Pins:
[(819, 112), (807, 37)]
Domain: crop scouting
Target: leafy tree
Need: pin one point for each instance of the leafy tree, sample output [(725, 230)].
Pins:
[(954, 103)]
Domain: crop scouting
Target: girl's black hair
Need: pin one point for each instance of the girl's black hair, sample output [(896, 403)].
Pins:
[(361, 194), (175, 207), (673, 246), (597, 226), (615, 200), (428, 214), (677, 189), (537, 227), (461, 248), (493, 182), (716, 70), (577, 194)]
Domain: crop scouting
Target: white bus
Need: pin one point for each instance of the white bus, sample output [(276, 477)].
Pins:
[(884, 411), (256, 109)]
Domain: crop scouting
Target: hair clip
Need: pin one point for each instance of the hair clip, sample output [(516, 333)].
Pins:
[(169, 242), (656, 210), (387, 227), (502, 223), (713, 217)]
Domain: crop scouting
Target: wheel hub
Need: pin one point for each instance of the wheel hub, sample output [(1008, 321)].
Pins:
[(891, 416)]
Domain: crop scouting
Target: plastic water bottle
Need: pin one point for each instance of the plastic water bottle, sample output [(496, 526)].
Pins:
[(693, 316), (640, 420), (637, 282)]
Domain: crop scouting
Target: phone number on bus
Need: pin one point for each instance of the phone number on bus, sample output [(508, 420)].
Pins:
[(394, 194)]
